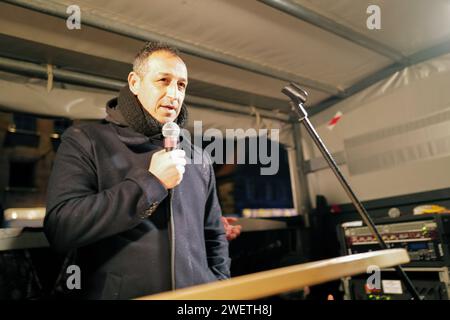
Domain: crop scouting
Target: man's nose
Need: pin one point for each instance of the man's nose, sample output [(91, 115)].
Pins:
[(172, 90)]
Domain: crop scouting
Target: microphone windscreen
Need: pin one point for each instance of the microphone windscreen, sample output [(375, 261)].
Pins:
[(171, 130)]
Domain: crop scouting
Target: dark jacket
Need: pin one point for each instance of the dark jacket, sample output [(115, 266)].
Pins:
[(103, 201)]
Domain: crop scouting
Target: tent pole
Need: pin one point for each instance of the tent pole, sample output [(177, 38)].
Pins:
[(299, 183), (40, 71)]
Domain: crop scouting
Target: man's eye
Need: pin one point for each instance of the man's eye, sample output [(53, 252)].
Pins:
[(182, 85)]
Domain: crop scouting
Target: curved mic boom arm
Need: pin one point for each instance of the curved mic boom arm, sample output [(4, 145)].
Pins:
[(298, 97)]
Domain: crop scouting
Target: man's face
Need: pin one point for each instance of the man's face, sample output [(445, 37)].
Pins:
[(162, 86)]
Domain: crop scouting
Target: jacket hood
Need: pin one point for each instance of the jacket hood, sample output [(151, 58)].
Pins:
[(113, 114)]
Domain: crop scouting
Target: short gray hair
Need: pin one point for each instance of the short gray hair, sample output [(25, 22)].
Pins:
[(149, 48)]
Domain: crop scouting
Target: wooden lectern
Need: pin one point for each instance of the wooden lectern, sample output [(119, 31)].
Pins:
[(272, 282)]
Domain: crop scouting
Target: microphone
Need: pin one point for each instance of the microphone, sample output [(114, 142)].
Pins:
[(295, 92), (170, 132)]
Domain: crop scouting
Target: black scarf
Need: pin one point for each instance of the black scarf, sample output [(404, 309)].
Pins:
[(138, 118)]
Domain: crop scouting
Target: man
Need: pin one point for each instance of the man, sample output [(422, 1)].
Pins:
[(109, 198)]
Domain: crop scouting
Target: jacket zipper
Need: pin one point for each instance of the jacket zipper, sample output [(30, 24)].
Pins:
[(172, 240)]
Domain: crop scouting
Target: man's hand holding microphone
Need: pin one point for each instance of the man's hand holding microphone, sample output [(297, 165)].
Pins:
[(168, 164), (168, 167)]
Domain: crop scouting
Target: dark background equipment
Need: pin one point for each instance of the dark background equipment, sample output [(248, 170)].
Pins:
[(425, 237)]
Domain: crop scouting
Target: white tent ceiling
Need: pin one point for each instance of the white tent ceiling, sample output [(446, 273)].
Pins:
[(251, 32), (407, 26)]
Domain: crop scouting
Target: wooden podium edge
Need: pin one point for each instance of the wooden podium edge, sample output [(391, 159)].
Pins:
[(272, 282)]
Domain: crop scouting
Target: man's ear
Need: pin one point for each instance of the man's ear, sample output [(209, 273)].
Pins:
[(134, 82)]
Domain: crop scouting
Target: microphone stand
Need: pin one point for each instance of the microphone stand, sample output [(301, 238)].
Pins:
[(298, 97)]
